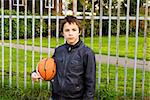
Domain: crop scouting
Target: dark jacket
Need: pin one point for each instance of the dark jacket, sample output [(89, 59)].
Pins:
[(76, 70)]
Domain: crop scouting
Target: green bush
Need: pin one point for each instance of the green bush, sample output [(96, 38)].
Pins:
[(106, 93), (20, 94), (21, 27), (87, 25)]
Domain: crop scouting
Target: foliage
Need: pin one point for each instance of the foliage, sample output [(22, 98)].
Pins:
[(87, 26), (133, 5), (20, 94), (106, 93), (7, 93), (21, 27), (86, 23), (37, 94)]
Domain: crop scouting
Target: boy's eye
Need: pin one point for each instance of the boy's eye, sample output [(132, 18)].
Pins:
[(74, 29), (66, 30)]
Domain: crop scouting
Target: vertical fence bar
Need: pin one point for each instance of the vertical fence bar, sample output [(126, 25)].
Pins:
[(66, 8), (109, 40), (126, 50), (49, 32), (136, 46), (83, 30), (2, 36), (117, 45), (92, 24), (33, 33), (57, 24), (100, 46), (17, 51), (41, 27), (74, 7), (144, 50), (25, 45), (10, 43)]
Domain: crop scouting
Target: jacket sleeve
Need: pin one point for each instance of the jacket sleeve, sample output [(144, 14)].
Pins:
[(90, 75)]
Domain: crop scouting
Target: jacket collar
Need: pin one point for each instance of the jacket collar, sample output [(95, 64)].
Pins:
[(70, 47)]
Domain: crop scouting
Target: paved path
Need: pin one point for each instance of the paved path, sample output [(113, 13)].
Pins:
[(113, 59)]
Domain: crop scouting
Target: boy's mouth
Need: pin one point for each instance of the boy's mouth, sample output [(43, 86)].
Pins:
[(70, 38)]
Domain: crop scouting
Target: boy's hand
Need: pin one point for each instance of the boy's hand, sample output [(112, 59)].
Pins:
[(35, 76)]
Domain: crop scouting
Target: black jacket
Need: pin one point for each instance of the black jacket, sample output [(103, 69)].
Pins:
[(76, 70)]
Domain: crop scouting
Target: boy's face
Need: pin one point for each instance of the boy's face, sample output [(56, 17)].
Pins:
[(71, 33)]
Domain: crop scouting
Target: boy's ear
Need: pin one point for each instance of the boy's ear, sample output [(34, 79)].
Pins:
[(79, 32)]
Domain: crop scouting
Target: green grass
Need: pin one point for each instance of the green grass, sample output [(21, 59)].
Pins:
[(106, 91), (122, 44)]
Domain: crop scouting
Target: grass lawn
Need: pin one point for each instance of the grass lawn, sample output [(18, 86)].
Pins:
[(122, 41), (106, 91)]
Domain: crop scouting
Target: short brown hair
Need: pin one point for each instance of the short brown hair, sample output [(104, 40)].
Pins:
[(71, 19)]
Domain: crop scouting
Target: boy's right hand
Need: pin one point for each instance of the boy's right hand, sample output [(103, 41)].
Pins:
[(35, 76)]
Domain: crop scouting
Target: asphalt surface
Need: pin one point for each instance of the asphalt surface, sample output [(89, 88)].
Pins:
[(99, 58)]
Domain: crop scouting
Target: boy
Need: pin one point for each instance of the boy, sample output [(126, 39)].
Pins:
[(76, 66)]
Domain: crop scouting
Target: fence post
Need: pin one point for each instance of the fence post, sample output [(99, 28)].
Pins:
[(2, 36)]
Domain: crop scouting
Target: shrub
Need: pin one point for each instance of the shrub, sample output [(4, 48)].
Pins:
[(21, 27), (106, 93), (20, 94)]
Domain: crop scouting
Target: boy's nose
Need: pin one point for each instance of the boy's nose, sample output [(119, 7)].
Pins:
[(70, 33)]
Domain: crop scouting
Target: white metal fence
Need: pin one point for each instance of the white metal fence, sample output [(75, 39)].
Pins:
[(11, 69)]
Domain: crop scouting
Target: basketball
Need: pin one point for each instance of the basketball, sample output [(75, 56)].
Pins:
[(46, 69)]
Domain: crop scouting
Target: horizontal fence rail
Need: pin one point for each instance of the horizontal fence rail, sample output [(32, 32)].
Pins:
[(79, 17), (111, 64)]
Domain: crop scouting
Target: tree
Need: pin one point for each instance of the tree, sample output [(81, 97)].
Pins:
[(133, 6)]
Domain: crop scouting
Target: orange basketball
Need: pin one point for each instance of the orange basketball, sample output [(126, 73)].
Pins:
[(46, 68)]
